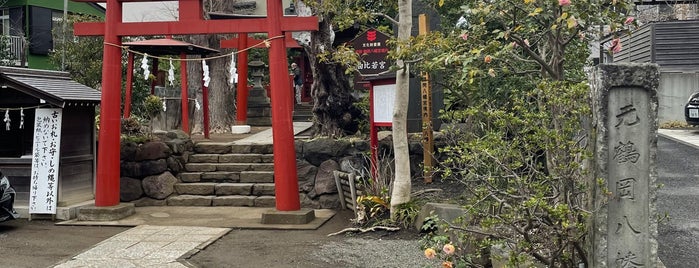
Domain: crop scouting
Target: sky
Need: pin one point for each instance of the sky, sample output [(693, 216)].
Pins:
[(150, 11)]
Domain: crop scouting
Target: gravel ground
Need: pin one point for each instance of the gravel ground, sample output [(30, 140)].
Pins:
[(362, 252), (314, 248)]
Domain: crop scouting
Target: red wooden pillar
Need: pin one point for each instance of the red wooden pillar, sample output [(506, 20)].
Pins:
[(241, 114), (205, 100), (129, 85), (285, 180), (184, 93), (107, 183)]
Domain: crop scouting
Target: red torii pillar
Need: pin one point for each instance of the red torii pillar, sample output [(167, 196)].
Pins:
[(241, 42), (191, 22)]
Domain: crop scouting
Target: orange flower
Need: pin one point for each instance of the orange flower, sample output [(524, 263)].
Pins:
[(430, 253), (449, 248), (488, 59), (447, 264)]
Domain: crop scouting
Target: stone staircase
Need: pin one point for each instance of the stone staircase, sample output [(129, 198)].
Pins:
[(303, 112), (227, 174)]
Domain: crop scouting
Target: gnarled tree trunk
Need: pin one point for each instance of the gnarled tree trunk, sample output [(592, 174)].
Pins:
[(333, 109)]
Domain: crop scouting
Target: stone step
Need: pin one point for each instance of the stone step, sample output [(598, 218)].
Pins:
[(212, 147), (223, 189), (231, 167), (228, 200), (251, 148), (231, 158), (257, 177)]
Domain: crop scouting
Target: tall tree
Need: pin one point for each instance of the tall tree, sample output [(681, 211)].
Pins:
[(334, 112), (221, 94), (401, 185)]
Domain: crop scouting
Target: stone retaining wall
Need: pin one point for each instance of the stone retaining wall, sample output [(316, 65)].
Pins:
[(149, 171)]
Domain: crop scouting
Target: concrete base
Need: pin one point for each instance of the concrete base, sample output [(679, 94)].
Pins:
[(63, 213), (94, 213), (302, 216)]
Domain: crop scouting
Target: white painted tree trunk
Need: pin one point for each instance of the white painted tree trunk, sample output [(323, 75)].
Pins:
[(401, 185)]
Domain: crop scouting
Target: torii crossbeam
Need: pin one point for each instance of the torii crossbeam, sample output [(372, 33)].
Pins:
[(191, 21)]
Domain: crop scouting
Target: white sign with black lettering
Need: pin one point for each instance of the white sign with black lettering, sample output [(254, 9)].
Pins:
[(43, 194), (383, 102)]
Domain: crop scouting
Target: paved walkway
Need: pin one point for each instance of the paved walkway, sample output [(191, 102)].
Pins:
[(688, 137), (147, 246)]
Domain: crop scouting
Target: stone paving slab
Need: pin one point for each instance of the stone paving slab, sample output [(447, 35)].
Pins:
[(147, 246)]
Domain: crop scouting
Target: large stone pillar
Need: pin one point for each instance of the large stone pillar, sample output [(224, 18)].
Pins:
[(624, 228)]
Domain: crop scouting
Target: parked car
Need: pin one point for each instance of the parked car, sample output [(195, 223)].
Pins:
[(691, 110), (7, 200)]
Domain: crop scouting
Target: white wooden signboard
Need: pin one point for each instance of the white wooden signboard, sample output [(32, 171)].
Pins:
[(383, 102), (43, 194)]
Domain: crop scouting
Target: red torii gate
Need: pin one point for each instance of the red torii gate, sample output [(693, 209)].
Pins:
[(191, 22), (241, 42)]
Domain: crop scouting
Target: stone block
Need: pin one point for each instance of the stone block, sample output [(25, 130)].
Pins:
[(263, 189), (447, 212), (190, 176), (212, 147), (200, 188), (234, 201), (235, 167), (257, 176), (325, 180), (243, 158), (241, 148), (220, 176), (265, 201), (130, 189), (160, 186), (190, 200), (262, 148), (199, 167), (302, 216), (149, 202), (203, 158), (153, 150), (233, 188), (261, 167), (111, 213)]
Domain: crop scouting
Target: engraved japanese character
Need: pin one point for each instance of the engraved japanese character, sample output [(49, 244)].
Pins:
[(628, 116), (625, 188), (628, 260), (626, 152)]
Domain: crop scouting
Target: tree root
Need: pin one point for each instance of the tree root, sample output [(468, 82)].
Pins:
[(364, 230), (421, 192)]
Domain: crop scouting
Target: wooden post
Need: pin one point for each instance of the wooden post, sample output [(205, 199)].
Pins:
[(426, 93)]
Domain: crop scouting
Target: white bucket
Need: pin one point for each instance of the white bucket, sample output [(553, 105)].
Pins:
[(240, 129)]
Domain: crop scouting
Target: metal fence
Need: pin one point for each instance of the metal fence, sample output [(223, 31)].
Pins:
[(13, 54)]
